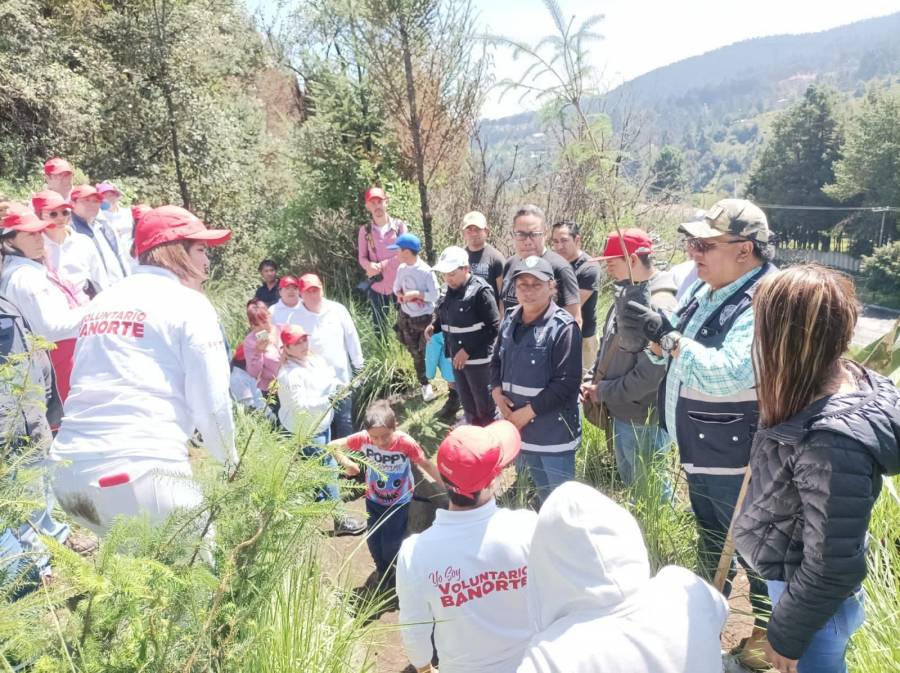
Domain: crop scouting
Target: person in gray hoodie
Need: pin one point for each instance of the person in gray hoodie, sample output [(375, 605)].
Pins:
[(623, 378), (829, 433), (595, 607)]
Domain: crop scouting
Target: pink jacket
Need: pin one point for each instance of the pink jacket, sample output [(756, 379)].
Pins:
[(263, 366), (366, 254)]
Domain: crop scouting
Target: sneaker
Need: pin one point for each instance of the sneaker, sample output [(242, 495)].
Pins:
[(451, 406), (349, 526), (428, 393), (81, 544)]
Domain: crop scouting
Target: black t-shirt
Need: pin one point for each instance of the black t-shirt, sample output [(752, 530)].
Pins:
[(270, 296), (566, 283), (587, 273), (487, 263)]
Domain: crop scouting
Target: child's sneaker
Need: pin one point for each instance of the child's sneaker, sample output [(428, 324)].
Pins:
[(428, 393)]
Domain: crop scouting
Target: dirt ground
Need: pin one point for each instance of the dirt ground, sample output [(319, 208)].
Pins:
[(388, 652)]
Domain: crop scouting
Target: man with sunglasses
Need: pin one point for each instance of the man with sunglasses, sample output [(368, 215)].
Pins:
[(529, 232), (709, 391)]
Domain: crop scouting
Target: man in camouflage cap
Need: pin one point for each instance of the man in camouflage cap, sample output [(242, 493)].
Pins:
[(708, 401)]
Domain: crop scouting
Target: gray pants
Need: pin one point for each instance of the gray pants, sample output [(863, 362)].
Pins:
[(473, 383)]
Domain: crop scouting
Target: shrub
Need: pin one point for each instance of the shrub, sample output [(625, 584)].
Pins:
[(880, 271)]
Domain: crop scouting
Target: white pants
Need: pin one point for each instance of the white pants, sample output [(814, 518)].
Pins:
[(95, 494)]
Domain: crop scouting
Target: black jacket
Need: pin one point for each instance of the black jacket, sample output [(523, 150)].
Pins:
[(469, 318), (815, 479)]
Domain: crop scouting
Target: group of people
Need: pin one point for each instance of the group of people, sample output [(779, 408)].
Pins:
[(741, 367)]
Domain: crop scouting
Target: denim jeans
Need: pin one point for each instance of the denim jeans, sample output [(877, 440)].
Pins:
[(387, 528), (342, 423), (826, 650), (329, 491), (17, 566), (380, 305), (633, 443), (713, 497), (547, 470)]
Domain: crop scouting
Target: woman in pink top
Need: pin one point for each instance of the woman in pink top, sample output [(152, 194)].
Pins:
[(262, 346)]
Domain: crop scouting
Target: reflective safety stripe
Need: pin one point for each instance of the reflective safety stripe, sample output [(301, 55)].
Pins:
[(691, 469), (748, 395), (521, 390), (479, 361), (551, 448), (462, 330)]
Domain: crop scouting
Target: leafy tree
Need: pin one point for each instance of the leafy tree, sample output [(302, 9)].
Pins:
[(796, 164), (667, 173), (869, 172)]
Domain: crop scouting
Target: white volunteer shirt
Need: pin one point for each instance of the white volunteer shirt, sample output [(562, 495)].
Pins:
[(332, 335), (283, 314), (44, 305), (150, 367), (467, 576)]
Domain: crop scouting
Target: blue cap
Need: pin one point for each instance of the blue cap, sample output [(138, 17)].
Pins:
[(407, 242)]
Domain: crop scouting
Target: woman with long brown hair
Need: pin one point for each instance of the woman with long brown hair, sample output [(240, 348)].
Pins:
[(830, 431)]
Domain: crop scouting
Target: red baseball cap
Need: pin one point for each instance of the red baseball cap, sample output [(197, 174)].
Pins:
[(22, 219), (308, 280), (288, 281), (48, 199), (84, 192), (636, 242), (138, 210), (57, 166), (291, 334), (173, 223), (471, 457), (375, 193)]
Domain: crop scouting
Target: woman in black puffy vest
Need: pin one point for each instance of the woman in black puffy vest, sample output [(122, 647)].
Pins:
[(829, 432)]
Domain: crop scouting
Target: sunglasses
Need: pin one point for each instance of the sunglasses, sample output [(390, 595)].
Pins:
[(702, 246), (525, 235)]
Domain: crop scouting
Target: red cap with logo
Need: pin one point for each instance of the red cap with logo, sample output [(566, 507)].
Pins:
[(471, 457), (375, 193), (288, 281), (22, 219), (58, 166), (48, 200), (84, 192), (291, 334), (308, 280), (637, 242), (173, 223)]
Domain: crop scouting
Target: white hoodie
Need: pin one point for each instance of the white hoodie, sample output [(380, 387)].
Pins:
[(150, 367), (465, 577), (44, 306), (594, 605)]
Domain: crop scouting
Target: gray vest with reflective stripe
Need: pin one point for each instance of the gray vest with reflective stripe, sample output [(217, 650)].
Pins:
[(714, 433), (525, 370)]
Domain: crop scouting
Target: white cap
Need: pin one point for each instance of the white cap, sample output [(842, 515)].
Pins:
[(474, 219), (451, 259)]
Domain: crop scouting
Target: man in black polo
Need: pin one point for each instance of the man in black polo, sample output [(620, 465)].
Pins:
[(529, 240), (565, 238), (467, 316), (268, 291)]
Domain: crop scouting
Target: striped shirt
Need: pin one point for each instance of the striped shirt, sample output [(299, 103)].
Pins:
[(715, 371)]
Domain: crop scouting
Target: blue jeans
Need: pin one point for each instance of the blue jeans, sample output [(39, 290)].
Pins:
[(380, 305), (826, 650), (387, 528), (329, 491), (633, 443), (342, 423), (547, 470), (17, 566), (713, 497)]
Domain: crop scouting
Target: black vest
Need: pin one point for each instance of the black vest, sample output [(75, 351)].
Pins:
[(461, 327), (714, 433)]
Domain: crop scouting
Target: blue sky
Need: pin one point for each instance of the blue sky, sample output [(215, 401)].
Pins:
[(640, 35)]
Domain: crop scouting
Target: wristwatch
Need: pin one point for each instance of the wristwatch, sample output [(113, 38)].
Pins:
[(669, 342)]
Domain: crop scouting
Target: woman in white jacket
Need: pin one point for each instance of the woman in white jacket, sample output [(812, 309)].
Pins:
[(150, 369), (51, 306)]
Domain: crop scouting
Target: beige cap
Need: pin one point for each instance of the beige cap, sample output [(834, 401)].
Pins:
[(474, 219)]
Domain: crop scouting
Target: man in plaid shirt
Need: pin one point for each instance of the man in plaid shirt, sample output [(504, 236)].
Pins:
[(709, 391)]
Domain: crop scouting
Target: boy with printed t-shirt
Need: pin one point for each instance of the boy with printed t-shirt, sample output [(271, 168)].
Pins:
[(464, 579), (389, 484)]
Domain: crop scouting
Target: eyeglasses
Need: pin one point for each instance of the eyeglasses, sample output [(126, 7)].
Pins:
[(702, 245), (525, 235)]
